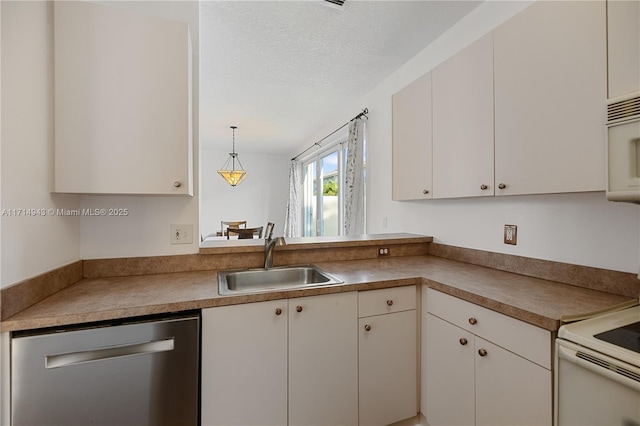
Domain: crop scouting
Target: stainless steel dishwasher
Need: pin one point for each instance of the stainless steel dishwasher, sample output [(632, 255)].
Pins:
[(126, 373)]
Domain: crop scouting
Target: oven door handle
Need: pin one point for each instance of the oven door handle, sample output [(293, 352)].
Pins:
[(74, 358), (603, 365)]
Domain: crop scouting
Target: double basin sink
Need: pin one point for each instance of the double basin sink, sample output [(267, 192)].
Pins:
[(278, 278)]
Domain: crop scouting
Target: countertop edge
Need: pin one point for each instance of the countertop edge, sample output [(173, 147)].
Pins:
[(527, 316), (168, 308), (497, 290), (312, 243)]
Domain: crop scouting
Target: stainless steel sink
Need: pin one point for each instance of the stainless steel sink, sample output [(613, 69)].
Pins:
[(280, 278)]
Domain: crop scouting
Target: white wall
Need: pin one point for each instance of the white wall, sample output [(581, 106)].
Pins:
[(30, 245), (262, 197), (581, 229)]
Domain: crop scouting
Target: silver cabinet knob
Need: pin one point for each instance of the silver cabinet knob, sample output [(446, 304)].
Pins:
[(463, 341), (298, 308), (502, 186), (177, 184), (367, 327), (484, 187), (473, 321), (389, 302), (482, 352), (278, 311), (425, 191)]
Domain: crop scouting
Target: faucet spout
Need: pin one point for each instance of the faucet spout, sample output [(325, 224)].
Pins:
[(269, 245)]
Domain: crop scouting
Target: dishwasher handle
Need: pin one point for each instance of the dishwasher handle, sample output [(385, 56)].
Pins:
[(74, 358)]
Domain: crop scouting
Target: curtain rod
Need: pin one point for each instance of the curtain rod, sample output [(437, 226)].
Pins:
[(362, 114)]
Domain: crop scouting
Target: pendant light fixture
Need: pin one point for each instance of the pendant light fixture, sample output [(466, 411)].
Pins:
[(232, 175)]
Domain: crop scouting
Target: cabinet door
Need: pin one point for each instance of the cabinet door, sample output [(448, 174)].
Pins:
[(323, 360), (244, 364), (450, 374), (463, 123), (623, 46), (412, 141), (387, 368), (550, 91), (122, 102), (510, 390)]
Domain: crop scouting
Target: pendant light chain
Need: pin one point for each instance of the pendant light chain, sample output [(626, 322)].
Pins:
[(233, 149)]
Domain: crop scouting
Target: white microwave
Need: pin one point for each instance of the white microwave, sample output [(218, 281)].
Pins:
[(623, 148)]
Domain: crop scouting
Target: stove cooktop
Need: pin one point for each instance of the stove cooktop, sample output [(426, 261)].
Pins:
[(616, 334), (627, 336)]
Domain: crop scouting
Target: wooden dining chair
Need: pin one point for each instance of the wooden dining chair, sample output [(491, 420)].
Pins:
[(224, 225), (245, 233)]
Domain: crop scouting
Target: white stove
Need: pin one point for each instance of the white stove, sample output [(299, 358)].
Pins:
[(598, 370)]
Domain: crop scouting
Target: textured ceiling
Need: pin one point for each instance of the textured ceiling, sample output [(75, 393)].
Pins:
[(278, 69)]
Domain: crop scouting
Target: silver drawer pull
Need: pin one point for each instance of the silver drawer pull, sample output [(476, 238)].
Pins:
[(73, 358)]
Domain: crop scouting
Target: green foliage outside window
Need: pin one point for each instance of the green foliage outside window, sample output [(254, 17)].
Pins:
[(330, 188)]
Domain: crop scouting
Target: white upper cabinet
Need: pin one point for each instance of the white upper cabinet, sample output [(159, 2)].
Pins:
[(550, 92), (463, 123), (412, 141), (623, 46), (122, 102)]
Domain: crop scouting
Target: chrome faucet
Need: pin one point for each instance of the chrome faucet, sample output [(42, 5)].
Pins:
[(269, 245)]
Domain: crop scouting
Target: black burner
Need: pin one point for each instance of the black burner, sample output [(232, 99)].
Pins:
[(627, 337)]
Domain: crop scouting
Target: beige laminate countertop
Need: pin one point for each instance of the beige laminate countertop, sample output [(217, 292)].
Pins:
[(536, 301)]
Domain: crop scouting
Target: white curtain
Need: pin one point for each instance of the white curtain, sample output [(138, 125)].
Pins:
[(354, 182), (291, 226)]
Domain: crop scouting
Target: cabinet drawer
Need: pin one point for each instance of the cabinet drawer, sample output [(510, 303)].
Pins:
[(517, 336), (386, 300)]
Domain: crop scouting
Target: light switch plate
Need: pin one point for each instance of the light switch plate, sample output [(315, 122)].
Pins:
[(511, 234), (181, 234)]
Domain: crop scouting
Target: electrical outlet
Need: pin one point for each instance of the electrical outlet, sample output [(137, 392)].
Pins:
[(384, 251), (181, 234), (511, 234)]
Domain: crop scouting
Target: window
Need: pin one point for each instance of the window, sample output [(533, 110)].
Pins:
[(322, 192)]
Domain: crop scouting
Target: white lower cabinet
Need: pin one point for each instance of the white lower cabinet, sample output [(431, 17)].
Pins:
[(323, 360), (450, 388), (472, 379), (387, 355), (281, 362), (244, 364)]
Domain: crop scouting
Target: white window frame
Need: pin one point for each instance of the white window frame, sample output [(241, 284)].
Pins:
[(338, 143)]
